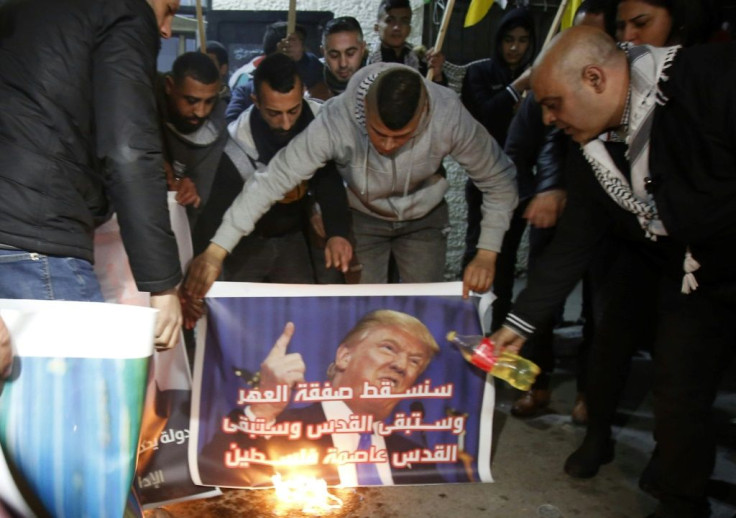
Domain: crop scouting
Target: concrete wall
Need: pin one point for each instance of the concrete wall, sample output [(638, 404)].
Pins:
[(364, 11)]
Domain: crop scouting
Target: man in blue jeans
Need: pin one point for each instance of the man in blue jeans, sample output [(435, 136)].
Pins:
[(79, 139)]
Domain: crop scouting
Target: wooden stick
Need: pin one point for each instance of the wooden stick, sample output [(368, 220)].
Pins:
[(291, 19), (556, 22), (200, 28), (441, 34)]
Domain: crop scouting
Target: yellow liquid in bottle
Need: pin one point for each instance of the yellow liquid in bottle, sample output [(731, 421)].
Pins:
[(519, 372)]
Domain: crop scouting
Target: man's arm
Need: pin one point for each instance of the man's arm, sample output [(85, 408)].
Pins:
[(297, 162), (582, 226), (494, 109), (128, 143), (494, 175), (330, 194)]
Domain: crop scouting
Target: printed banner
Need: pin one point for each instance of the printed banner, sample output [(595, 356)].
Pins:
[(71, 411), (162, 474), (361, 388)]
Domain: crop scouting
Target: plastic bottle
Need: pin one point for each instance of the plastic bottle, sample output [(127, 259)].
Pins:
[(519, 372)]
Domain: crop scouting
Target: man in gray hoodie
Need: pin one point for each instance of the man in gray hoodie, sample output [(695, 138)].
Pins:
[(388, 134)]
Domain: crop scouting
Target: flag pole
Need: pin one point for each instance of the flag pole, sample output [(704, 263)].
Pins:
[(291, 18), (200, 28), (556, 22), (441, 34)]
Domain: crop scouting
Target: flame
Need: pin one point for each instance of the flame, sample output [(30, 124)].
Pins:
[(308, 494)]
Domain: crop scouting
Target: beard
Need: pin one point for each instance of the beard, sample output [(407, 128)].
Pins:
[(186, 124)]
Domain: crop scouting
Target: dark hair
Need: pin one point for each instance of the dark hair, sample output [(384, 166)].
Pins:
[(197, 65), (397, 97), (276, 32), (688, 20), (219, 50), (593, 7), (278, 71), (386, 5), (341, 24)]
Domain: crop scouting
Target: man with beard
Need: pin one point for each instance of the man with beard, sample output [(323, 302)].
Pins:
[(193, 127), (276, 251), (344, 51)]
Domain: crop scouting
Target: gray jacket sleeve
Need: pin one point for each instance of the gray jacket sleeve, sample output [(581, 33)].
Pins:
[(491, 171), (294, 164)]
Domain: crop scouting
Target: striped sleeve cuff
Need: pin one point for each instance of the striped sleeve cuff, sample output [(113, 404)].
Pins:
[(519, 326), (513, 93)]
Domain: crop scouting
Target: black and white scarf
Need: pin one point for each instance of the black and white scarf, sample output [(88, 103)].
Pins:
[(648, 66)]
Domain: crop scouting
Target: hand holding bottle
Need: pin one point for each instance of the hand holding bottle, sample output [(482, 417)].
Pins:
[(519, 372)]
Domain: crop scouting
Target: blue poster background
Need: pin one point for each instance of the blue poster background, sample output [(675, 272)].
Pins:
[(241, 332)]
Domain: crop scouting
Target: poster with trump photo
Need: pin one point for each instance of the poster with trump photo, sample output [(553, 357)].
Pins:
[(352, 384)]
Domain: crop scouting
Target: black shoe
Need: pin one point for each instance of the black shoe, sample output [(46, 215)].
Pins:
[(587, 460)]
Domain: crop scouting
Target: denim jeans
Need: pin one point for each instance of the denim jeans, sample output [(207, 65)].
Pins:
[(29, 275), (418, 246)]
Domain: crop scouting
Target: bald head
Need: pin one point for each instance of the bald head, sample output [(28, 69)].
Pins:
[(581, 81), (572, 50)]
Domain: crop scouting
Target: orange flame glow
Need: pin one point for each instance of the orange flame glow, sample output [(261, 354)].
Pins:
[(306, 494)]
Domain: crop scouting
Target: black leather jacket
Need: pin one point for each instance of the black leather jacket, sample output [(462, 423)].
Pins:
[(79, 136)]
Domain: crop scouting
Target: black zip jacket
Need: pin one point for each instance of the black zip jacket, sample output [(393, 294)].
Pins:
[(79, 136)]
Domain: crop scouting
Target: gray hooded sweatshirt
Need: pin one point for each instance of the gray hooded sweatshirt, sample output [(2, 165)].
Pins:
[(400, 187)]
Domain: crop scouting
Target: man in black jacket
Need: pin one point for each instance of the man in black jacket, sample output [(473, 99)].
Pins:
[(665, 191), (193, 127), (79, 138)]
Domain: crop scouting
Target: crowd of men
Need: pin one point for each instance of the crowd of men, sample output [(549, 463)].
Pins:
[(297, 169)]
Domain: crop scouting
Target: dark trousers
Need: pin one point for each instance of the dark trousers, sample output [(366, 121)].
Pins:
[(693, 335)]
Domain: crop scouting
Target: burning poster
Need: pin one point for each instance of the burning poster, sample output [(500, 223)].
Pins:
[(355, 385)]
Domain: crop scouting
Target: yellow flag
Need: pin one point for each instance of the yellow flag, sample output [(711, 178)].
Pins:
[(478, 9), (568, 17)]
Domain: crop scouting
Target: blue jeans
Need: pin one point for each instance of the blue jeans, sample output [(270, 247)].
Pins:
[(28, 275), (418, 246)]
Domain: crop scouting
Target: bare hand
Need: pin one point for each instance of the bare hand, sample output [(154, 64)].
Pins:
[(186, 193), (291, 46), (277, 369), (168, 322), (506, 340), (338, 253), (192, 309), (204, 271), (6, 352), (545, 208), (435, 61), (479, 274)]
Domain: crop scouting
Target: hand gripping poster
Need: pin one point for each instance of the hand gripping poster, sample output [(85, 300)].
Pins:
[(355, 385)]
